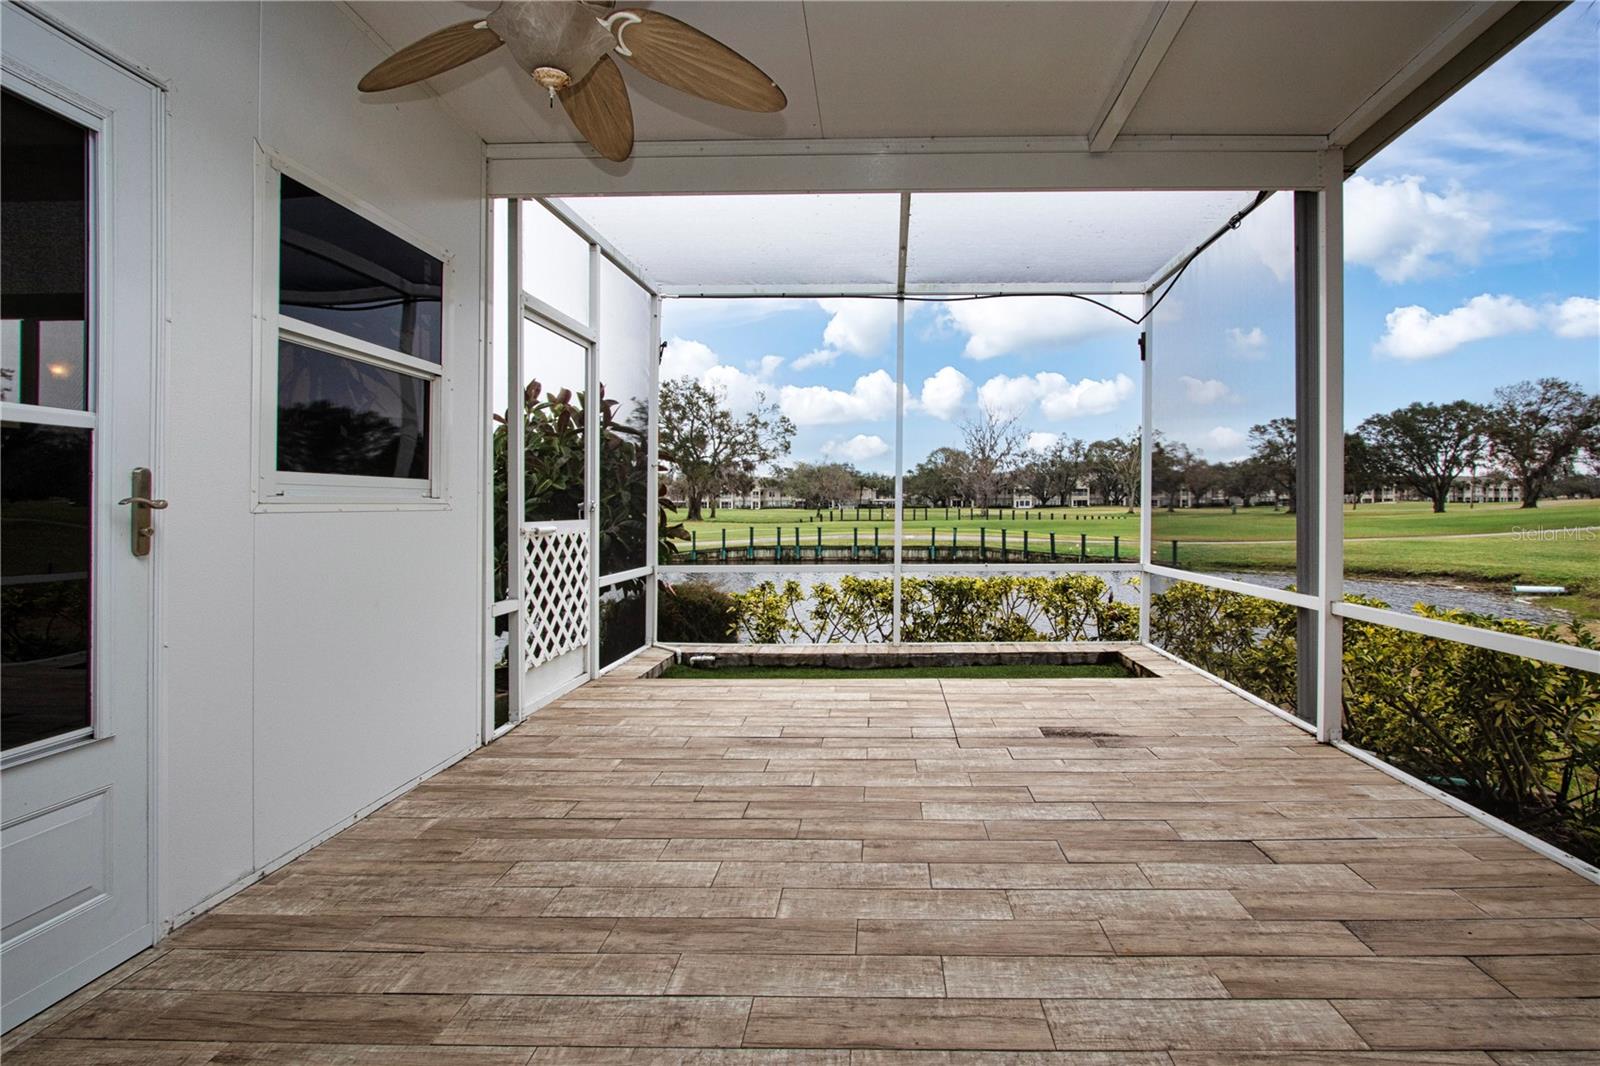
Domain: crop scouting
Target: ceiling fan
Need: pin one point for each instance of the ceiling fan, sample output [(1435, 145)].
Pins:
[(566, 45)]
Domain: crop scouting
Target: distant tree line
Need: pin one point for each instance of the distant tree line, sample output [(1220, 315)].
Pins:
[(1542, 435)]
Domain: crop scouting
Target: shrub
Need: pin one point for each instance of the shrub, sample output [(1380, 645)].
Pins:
[(694, 612), (955, 609), (1248, 641), (1512, 736)]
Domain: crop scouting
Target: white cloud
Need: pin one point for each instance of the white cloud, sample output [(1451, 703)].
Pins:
[(1575, 317), (1222, 442), (1039, 441), (1403, 231), (870, 399), (694, 359), (1248, 342), (820, 357), (860, 327), (1056, 398), (995, 327), (944, 393), (1416, 333), (686, 359), (1201, 391), (861, 448)]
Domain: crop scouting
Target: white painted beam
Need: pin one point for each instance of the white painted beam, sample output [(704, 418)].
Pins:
[(1136, 77), (953, 165)]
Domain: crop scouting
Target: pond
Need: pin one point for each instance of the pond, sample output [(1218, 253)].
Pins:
[(1398, 593)]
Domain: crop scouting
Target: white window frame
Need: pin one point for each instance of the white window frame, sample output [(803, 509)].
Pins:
[(273, 489)]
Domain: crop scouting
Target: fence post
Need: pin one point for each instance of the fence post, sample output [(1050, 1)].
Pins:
[(819, 544), (1024, 545), (877, 554), (694, 542), (1003, 544), (983, 546), (777, 551), (1174, 553), (1052, 546), (855, 542), (933, 544), (1083, 547), (1116, 549), (750, 553), (724, 543)]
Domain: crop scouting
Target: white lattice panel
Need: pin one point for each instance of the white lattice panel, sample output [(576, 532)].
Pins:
[(555, 594)]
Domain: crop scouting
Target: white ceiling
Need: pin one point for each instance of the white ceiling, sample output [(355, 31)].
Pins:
[(966, 69)]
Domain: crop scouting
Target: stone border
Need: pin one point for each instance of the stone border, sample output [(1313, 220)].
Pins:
[(1137, 659)]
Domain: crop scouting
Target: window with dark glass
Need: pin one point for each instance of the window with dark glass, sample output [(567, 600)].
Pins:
[(344, 409), (342, 272), (343, 416)]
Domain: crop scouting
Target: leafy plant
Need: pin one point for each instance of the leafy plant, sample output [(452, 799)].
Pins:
[(1514, 736)]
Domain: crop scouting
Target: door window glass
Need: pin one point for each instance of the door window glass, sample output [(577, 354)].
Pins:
[(44, 260), (44, 594)]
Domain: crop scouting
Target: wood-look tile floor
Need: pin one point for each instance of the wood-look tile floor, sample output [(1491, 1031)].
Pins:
[(881, 872)]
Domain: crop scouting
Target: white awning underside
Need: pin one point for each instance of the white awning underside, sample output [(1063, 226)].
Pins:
[(955, 242)]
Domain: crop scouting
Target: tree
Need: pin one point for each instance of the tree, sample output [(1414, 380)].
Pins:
[(1273, 456), (1364, 468), (1536, 428), (1053, 473), (1113, 467), (992, 444), (1168, 460), (818, 485), (1428, 446), (1199, 475), (708, 445), (939, 477), (882, 485)]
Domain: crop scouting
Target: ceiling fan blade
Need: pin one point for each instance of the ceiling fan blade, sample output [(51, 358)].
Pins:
[(434, 54), (598, 106), (676, 54)]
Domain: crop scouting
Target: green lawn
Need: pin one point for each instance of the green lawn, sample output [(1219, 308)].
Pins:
[(1206, 523), (812, 673), (1391, 539)]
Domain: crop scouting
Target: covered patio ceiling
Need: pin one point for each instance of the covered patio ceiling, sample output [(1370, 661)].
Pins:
[(981, 95)]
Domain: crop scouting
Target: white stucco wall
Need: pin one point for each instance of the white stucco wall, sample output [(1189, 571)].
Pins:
[(311, 662)]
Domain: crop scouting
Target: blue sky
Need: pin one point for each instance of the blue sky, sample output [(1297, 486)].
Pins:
[(1472, 261)]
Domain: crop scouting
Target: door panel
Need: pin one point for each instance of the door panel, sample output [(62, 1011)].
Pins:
[(556, 553), (79, 328)]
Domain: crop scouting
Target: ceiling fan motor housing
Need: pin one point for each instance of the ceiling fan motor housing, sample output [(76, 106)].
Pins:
[(552, 41)]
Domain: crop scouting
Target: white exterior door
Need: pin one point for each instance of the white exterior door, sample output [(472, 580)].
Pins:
[(80, 324), (557, 542)]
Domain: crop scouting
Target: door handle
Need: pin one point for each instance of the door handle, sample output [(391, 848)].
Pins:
[(142, 505)]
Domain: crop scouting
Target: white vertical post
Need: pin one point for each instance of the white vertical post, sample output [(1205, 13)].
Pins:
[(1146, 465), (591, 465), (652, 508), (491, 273), (1329, 368), (900, 412), (899, 452), (511, 293)]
